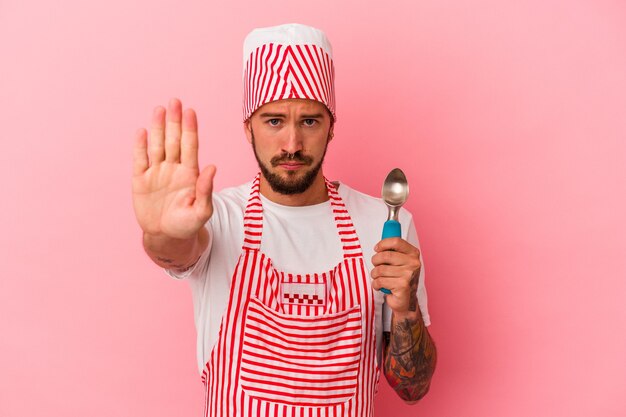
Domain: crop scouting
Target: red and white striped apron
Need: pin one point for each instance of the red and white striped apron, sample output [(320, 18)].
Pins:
[(295, 345)]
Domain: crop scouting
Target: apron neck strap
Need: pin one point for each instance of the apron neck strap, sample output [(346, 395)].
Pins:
[(253, 217), (345, 227)]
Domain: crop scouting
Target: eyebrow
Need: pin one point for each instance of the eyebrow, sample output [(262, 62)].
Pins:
[(304, 116)]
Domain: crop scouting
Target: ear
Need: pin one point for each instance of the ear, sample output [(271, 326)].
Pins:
[(247, 128), (331, 132)]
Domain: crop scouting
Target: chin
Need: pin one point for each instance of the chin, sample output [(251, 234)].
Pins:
[(291, 182)]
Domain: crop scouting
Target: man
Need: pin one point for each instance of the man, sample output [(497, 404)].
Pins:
[(285, 270)]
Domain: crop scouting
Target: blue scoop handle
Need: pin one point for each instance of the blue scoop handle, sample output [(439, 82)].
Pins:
[(391, 228)]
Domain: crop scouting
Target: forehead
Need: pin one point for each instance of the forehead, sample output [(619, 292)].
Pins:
[(293, 106)]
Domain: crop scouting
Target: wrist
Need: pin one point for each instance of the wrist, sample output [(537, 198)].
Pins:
[(173, 253), (411, 316), (160, 238)]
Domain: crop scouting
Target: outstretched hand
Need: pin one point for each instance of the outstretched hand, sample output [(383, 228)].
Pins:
[(171, 196)]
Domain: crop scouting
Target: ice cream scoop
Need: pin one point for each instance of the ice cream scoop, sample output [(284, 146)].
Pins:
[(395, 193)]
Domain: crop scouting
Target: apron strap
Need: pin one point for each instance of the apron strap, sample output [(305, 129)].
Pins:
[(345, 227), (253, 218), (253, 221)]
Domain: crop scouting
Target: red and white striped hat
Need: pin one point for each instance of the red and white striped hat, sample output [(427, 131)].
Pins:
[(287, 61)]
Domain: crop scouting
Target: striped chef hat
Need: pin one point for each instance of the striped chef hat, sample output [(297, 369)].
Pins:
[(287, 61)]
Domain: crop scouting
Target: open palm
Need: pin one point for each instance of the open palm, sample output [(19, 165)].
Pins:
[(171, 196)]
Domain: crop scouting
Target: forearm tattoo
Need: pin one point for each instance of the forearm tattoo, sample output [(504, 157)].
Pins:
[(169, 262), (171, 265), (414, 281), (410, 359)]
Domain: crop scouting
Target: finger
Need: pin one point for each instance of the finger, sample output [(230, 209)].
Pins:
[(390, 257), (204, 191), (398, 285), (140, 152), (189, 140), (397, 259), (397, 244), (384, 282), (172, 131), (388, 271), (156, 149), (376, 272)]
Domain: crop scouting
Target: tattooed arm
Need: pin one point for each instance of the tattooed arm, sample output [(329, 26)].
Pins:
[(410, 355)]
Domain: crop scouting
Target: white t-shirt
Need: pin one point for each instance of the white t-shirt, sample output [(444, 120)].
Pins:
[(308, 243)]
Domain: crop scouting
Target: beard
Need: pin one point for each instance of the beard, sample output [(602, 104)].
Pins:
[(292, 184)]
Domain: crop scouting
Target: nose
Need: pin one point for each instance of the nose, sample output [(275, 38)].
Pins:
[(292, 141)]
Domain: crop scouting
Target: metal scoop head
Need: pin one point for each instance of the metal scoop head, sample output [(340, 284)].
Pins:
[(395, 192)]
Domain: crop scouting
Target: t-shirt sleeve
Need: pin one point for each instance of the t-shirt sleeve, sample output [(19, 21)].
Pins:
[(197, 267), (422, 298)]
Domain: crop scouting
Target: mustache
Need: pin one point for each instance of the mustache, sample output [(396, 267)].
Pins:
[(297, 157)]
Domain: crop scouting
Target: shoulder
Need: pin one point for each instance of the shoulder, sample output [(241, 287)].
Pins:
[(231, 197), (229, 205)]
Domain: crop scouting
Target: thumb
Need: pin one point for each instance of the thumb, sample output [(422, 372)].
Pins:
[(204, 191)]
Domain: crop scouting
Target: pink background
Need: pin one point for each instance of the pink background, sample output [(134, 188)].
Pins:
[(508, 118)]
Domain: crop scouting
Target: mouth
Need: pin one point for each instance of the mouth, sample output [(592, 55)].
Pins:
[(293, 163), (291, 166)]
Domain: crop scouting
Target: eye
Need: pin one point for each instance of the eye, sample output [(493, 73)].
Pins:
[(309, 122), (273, 122)]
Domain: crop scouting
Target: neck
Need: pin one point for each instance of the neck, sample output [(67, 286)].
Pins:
[(315, 194)]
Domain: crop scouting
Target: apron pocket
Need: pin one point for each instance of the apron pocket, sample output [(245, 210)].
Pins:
[(300, 360)]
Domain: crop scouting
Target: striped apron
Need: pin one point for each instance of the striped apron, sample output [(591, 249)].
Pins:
[(295, 345)]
